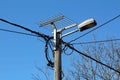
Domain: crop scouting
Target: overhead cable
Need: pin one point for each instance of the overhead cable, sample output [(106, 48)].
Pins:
[(37, 33), (18, 32), (96, 28), (50, 62), (67, 44), (45, 37), (96, 41)]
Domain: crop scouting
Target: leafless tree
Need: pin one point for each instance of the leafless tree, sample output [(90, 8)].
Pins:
[(42, 72), (83, 68)]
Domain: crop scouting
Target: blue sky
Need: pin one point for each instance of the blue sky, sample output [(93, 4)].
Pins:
[(19, 54)]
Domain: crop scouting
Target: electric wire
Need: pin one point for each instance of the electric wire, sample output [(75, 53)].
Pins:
[(50, 63), (96, 41), (45, 37), (40, 40), (65, 51), (51, 47), (11, 31), (67, 44), (96, 28), (6, 30), (37, 33)]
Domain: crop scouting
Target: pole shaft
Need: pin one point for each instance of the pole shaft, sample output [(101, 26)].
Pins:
[(57, 55)]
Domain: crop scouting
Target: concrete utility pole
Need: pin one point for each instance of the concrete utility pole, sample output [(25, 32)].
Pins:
[(58, 43), (57, 53), (57, 60), (57, 46)]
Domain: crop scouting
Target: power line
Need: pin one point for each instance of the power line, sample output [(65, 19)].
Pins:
[(18, 32), (50, 62), (96, 41), (96, 28), (21, 33), (67, 44), (46, 37), (37, 34)]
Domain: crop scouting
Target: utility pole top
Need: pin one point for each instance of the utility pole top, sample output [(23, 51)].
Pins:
[(58, 39)]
